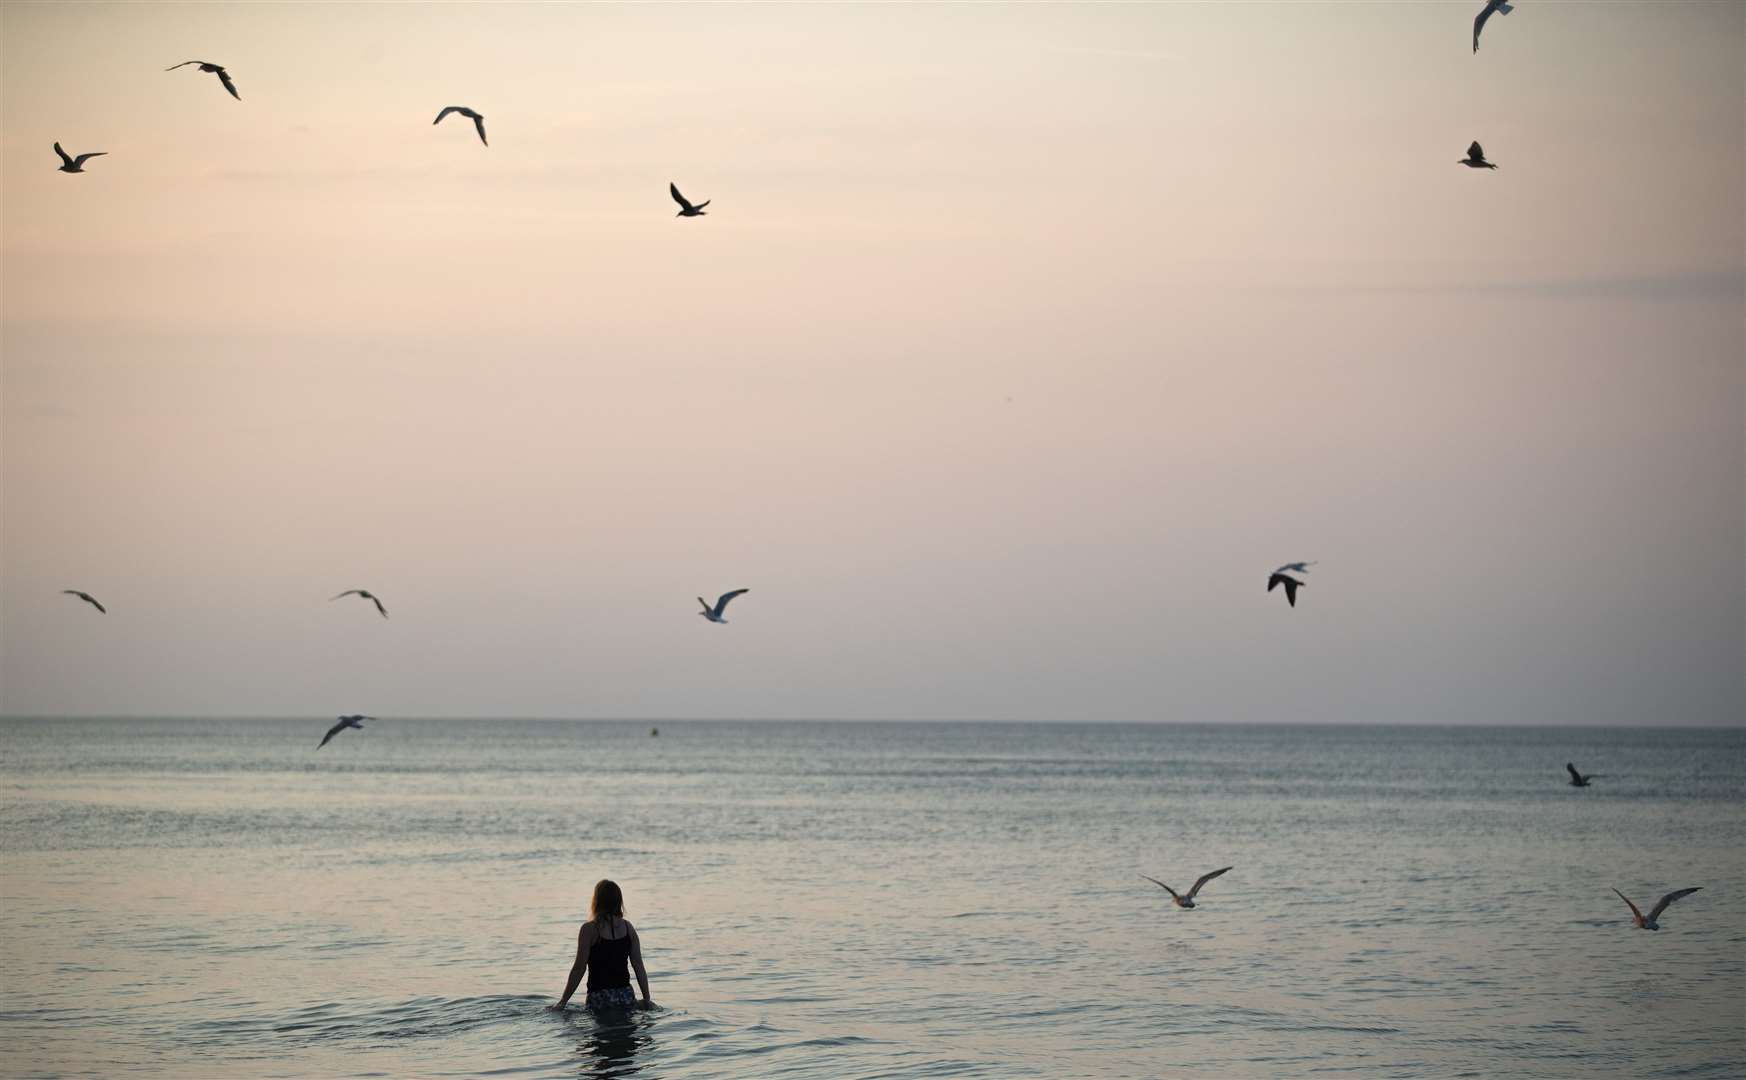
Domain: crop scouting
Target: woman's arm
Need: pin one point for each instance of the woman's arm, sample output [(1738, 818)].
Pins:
[(637, 965), (578, 967)]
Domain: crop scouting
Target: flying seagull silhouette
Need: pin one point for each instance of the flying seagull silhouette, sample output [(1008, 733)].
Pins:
[(366, 594), (1475, 158), (87, 597), (1649, 923), (1185, 901), (344, 722), (1498, 6), (76, 164), (713, 614), (1291, 585), (685, 207), (1578, 779), (478, 120), (212, 69)]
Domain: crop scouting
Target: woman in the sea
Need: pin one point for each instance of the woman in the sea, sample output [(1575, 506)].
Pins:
[(604, 945)]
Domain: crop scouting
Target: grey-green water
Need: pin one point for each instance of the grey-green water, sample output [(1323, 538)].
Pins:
[(217, 898)]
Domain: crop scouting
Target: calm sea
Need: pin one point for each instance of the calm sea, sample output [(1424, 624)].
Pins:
[(198, 898)]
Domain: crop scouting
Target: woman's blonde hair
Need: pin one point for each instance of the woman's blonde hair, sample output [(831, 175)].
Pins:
[(608, 901)]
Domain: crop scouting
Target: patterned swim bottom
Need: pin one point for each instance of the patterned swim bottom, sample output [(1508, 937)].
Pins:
[(616, 997)]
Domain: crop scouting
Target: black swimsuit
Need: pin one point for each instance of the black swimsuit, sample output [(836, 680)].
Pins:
[(609, 972)]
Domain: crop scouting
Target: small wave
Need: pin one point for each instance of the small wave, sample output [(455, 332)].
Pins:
[(417, 1018)]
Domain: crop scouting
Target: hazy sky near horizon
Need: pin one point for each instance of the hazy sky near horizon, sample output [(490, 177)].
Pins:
[(1018, 346)]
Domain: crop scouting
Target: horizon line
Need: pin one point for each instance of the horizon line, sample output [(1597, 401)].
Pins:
[(657, 720)]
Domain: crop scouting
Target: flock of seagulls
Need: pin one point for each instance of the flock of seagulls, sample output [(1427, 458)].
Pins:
[(1475, 158), (76, 165), (715, 613)]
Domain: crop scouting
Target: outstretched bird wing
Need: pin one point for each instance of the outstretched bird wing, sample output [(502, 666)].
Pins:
[(1475, 152), (65, 160), (678, 198), (1291, 585), (224, 77), (706, 608), (1670, 898), (479, 125), (1479, 24), (377, 601), (331, 732), (447, 109), (1204, 878), (88, 598), (722, 603), (82, 158), (1575, 776), (1163, 886), (184, 63), (1630, 905), (348, 592)]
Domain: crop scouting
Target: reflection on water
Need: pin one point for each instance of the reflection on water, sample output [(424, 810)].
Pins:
[(612, 1040)]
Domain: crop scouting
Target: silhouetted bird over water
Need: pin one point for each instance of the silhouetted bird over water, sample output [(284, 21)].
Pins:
[(1475, 158), (354, 721), (76, 164), (478, 121), (1647, 922), (1188, 900), (211, 69), (685, 207), (1578, 779), (1479, 20), (87, 597), (714, 614), (367, 595)]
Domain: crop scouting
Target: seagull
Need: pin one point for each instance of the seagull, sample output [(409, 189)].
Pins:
[(713, 614), (1185, 901), (1579, 780), (87, 597), (1650, 923), (76, 164), (212, 69), (685, 207), (1479, 20), (478, 121), (1291, 585), (1299, 567), (366, 594), (1475, 158), (344, 722)]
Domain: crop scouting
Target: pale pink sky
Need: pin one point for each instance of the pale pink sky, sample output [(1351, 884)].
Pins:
[(1019, 344)]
